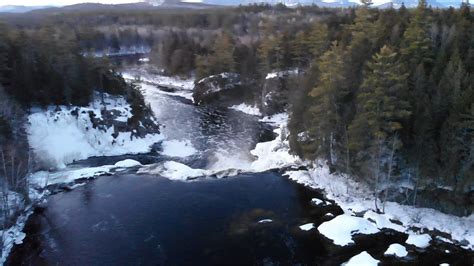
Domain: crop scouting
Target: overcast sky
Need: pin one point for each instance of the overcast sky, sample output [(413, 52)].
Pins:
[(60, 2)]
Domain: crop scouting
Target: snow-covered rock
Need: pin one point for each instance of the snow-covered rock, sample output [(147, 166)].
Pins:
[(318, 202), (396, 250), (341, 229), (420, 241), (307, 227), (362, 259), (127, 163), (218, 89)]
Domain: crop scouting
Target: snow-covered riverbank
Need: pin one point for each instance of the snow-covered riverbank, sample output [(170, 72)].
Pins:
[(38, 193), (353, 197), (78, 139)]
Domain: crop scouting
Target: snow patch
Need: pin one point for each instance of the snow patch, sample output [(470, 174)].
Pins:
[(265, 221), (280, 74), (248, 109)]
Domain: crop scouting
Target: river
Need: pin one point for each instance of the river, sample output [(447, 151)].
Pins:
[(244, 219)]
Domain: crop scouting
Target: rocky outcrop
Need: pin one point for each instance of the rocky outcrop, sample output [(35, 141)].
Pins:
[(227, 89), (275, 91), (221, 89)]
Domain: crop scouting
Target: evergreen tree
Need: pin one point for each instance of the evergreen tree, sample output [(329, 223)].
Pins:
[(318, 39), (222, 59), (416, 44), (382, 108), (299, 49), (328, 96)]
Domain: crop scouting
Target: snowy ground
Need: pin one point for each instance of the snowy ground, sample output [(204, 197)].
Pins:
[(60, 135)]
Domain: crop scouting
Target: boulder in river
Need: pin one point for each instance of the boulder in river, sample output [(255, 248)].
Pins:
[(222, 89)]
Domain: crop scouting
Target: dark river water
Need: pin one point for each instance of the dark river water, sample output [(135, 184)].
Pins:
[(131, 219)]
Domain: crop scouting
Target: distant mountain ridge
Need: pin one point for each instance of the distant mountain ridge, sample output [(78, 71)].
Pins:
[(199, 4), (20, 9)]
